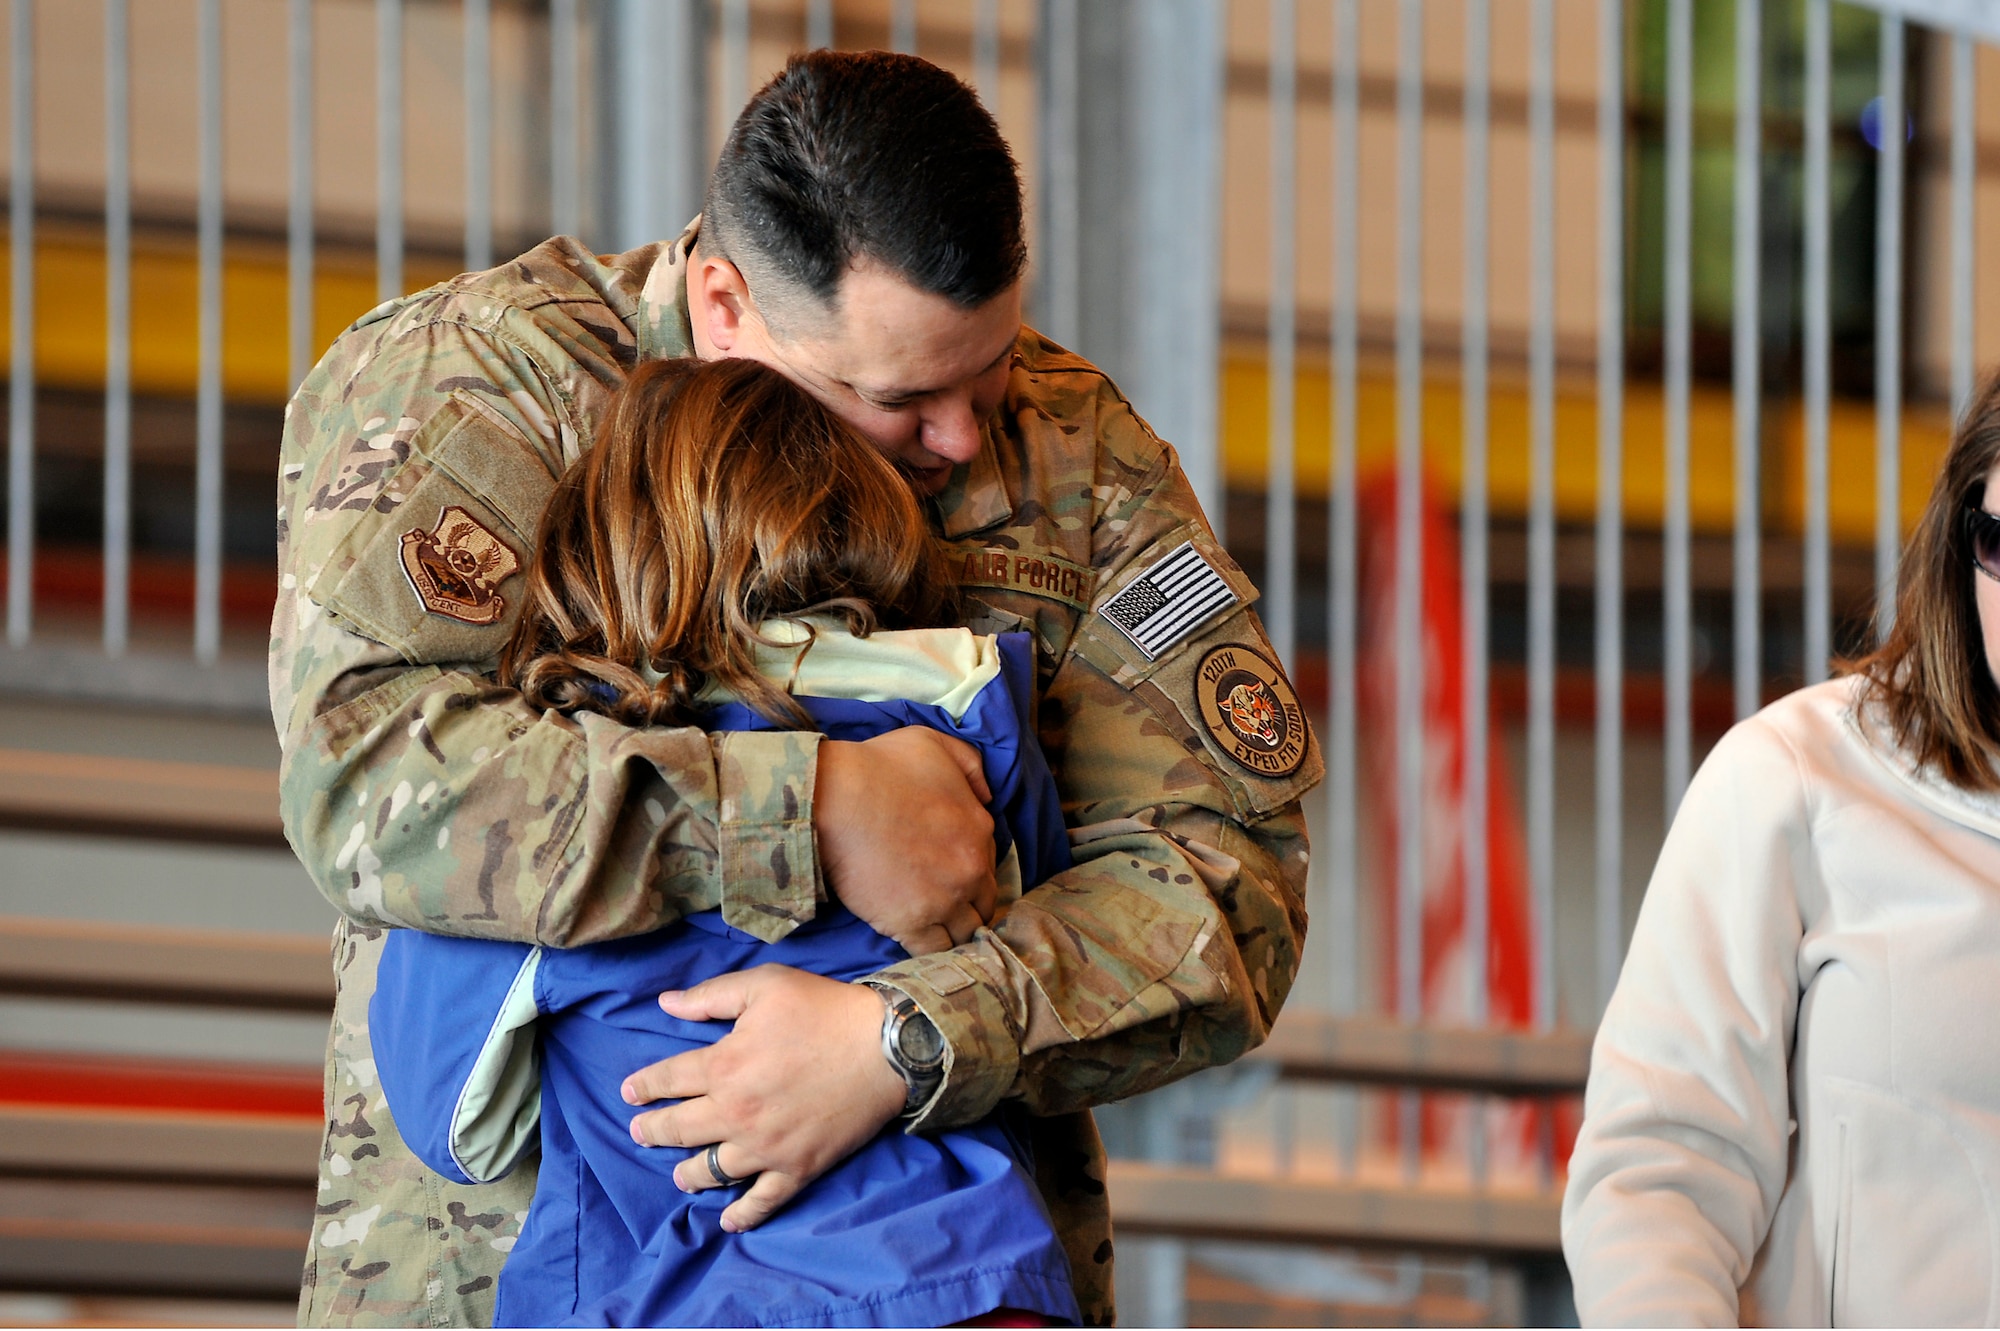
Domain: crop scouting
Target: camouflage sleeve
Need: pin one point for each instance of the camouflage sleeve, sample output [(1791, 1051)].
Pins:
[(416, 792), (1172, 942)]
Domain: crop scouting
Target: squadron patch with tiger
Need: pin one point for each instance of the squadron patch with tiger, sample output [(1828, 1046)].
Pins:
[(456, 568), (1251, 711)]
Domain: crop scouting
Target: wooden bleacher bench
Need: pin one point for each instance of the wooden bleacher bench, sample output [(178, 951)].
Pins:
[(1200, 1203), (128, 1176), (149, 963), (72, 1235), (1314, 1046), (153, 1177), (139, 797)]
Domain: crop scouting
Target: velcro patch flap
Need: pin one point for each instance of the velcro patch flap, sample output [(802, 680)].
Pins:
[(1171, 599), (438, 575), (1162, 606)]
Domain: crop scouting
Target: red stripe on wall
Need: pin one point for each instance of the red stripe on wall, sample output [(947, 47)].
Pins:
[(146, 1083)]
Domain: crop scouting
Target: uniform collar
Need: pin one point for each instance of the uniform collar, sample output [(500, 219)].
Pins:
[(974, 499), (665, 328)]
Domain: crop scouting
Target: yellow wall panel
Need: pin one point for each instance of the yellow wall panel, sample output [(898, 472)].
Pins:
[(70, 353), (70, 316), (1711, 436)]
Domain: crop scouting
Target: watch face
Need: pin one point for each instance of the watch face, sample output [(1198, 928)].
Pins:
[(919, 1042)]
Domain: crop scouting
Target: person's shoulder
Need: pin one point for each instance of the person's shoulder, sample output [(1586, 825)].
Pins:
[(562, 271), (555, 328), (1796, 748), (434, 430), (559, 290), (1086, 414), (1051, 368), (559, 280), (1811, 723)]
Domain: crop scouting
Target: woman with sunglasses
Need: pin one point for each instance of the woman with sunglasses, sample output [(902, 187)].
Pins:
[(1793, 1115)]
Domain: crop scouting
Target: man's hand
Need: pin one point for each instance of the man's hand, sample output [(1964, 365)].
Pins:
[(905, 840), (792, 1091)]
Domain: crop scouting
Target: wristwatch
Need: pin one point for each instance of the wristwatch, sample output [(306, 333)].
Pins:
[(911, 1043)]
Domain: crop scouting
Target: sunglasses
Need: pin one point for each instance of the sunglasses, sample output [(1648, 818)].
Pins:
[(1984, 528)]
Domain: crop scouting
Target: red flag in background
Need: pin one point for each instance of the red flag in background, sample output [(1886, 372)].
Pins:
[(1509, 956)]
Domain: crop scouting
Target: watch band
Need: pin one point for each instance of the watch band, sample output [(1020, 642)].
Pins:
[(921, 1079)]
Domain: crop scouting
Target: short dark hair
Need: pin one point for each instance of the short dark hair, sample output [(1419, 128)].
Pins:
[(853, 155), (1930, 677)]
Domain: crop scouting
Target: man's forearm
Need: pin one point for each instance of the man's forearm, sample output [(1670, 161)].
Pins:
[(436, 800), (1257, 876), (1169, 950)]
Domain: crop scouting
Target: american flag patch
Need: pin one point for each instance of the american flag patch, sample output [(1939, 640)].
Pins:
[(1168, 601)]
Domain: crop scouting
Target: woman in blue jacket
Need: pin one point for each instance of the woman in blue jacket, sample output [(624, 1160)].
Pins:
[(727, 554)]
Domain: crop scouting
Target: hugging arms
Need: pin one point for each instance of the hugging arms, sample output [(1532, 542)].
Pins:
[(419, 793)]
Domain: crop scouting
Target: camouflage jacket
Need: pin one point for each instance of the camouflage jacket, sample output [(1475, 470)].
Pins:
[(417, 457)]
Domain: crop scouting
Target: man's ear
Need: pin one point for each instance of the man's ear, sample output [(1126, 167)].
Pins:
[(719, 302)]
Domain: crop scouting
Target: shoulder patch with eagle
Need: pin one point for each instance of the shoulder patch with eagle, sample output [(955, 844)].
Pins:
[(457, 567)]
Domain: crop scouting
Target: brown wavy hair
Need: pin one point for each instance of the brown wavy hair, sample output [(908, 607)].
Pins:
[(716, 496), (1929, 678)]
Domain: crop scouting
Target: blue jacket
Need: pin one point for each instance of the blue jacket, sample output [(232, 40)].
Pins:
[(483, 1046)]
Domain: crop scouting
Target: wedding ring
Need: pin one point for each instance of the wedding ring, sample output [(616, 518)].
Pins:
[(714, 1161)]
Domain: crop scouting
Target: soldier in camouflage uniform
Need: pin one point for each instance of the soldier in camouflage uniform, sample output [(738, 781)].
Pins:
[(417, 458)]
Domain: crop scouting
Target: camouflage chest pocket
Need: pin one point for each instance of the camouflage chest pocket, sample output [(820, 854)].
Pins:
[(1178, 633), (435, 567)]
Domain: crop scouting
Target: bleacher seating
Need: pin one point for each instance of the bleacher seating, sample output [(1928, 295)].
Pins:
[(131, 1175)]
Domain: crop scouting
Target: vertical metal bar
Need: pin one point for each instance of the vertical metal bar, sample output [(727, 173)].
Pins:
[(1409, 539), (1473, 535), (299, 197), (986, 52), (1818, 339), (565, 115), (683, 147), (735, 56), (388, 149), (478, 134), (1964, 103), (659, 67), (117, 327), (819, 24), (1746, 349), (1341, 862), (1280, 506), (1168, 295), (21, 312), (1542, 499), (1610, 590), (1889, 328), (1062, 222), (208, 382), (1285, 1132), (1166, 1283), (903, 26), (1676, 604)]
